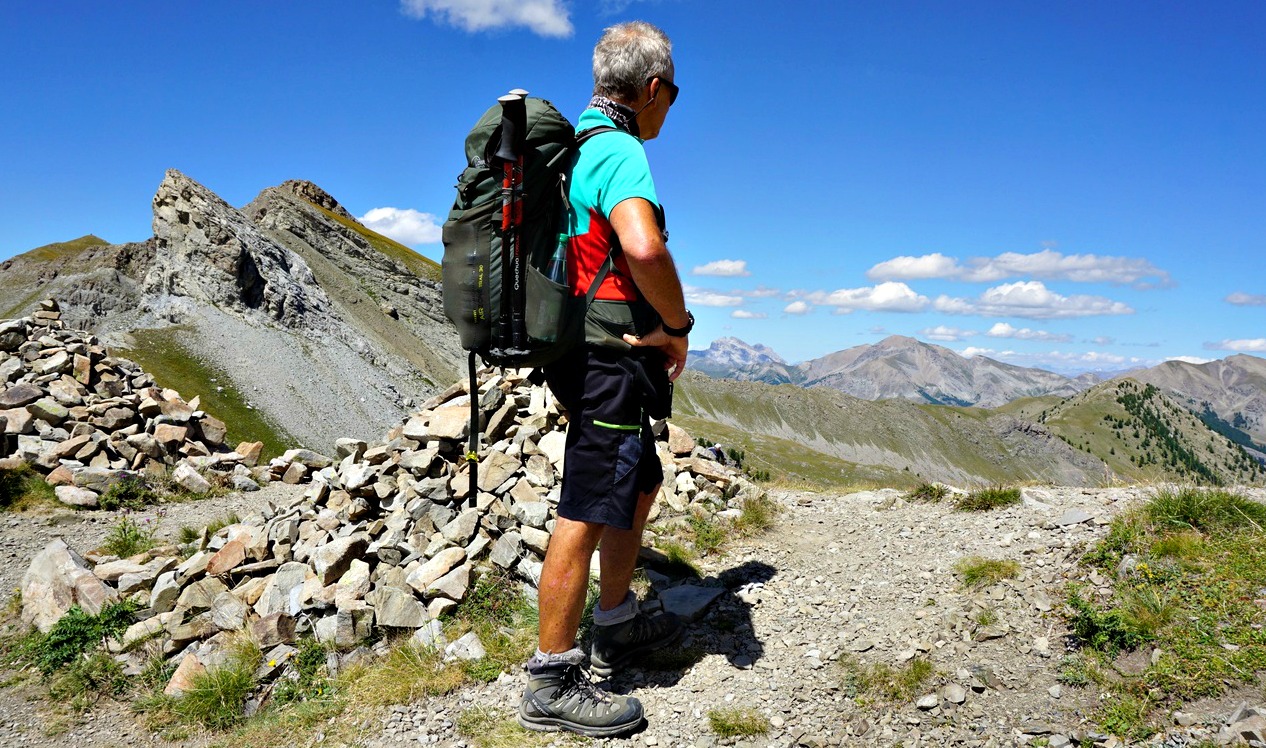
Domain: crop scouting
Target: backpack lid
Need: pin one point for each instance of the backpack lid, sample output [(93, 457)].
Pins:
[(545, 126)]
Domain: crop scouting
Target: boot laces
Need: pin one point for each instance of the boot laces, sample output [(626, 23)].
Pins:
[(578, 681)]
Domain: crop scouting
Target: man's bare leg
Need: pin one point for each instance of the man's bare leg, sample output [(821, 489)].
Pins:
[(564, 582), (617, 554)]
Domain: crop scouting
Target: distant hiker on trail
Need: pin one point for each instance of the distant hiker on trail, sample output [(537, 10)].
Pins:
[(636, 341)]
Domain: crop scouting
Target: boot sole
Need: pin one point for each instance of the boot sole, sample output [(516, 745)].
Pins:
[(557, 724), (604, 669)]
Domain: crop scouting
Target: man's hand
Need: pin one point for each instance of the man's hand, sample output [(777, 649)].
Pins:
[(673, 348)]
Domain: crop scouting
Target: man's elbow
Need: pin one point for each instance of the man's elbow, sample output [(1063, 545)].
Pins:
[(646, 253)]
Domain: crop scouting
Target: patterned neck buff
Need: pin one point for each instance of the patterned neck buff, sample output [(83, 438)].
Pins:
[(623, 117)]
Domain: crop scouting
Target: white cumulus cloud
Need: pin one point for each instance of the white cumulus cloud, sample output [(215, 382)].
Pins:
[(797, 307), (1239, 298), (972, 350), (1045, 265), (945, 333), (1031, 300), (1004, 330), (1243, 345), (543, 17), (747, 314), (405, 225), (885, 297), (725, 268), (935, 265), (1051, 265), (705, 297)]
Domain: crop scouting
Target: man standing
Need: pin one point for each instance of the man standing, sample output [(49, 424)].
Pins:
[(636, 342)]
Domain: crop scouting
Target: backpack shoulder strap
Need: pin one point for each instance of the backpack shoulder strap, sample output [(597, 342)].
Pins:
[(587, 134)]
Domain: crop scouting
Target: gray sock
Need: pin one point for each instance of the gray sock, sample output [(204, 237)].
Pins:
[(543, 660), (625, 611)]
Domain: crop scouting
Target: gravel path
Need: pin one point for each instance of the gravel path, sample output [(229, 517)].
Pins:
[(864, 576)]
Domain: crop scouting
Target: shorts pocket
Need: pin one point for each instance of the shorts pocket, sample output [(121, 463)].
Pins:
[(628, 447)]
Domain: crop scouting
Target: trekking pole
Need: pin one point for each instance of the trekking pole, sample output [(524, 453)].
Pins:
[(510, 151)]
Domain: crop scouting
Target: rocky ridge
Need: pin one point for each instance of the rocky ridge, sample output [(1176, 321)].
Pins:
[(296, 302)]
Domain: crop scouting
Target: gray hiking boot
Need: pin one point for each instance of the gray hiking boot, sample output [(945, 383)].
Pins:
[(560, 696), (615, 645)]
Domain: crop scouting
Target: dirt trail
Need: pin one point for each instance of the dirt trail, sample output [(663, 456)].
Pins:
[(865, 576)]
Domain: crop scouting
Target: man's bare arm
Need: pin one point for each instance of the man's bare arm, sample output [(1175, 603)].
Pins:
[(655, 274)]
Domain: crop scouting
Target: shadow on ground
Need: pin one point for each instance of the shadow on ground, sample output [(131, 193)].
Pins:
[(724, 628)]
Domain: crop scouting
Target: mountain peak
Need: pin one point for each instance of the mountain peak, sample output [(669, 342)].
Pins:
[(306, 190)]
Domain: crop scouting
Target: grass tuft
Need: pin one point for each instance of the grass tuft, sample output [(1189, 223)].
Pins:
[(928, 493), (757, 515), (405, 674), (732, 723), (129, 537), (988, 498), (977, 571), (883, 681), (1214, 511), (22, 489), (130, 492)]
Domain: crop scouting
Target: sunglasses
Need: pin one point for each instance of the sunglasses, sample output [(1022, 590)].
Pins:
[(673, 90)]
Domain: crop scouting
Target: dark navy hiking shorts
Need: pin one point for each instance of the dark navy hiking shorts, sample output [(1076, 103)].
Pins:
[(610, 456)]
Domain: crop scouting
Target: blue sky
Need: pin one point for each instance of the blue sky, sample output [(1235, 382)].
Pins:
[(1076, 185)]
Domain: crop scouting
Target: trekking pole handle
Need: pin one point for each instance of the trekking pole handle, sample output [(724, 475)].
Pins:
[(513, 124)]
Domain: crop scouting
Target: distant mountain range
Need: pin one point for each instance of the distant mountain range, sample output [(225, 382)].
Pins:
[(1228, 396), (896, 367)]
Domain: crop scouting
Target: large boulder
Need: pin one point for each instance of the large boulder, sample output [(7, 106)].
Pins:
[(56, 580)]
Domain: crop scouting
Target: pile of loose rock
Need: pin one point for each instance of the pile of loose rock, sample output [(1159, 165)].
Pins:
[(86, 418), (387, 537)]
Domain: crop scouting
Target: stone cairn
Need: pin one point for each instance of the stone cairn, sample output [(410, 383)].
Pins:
[(385, 537), (87, 419)]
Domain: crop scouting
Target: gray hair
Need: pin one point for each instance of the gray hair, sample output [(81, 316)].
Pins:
[(627, 56)]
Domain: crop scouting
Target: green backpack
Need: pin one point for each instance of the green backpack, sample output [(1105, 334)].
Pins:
[(504, 272), (504, 267)]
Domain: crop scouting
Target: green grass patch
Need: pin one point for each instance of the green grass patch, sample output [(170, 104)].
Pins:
[(1190, 570), (928, 493), (757, 515), (216, 699), (977, 571), (736, 723), (707, 532), (310, 679), (883, 682), (75, 633), (86, 679), (132, 491), (128, 537), (22, 489), (161, 353), (988, 498)]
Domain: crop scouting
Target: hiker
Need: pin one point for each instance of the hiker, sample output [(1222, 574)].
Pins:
[(636, 341)]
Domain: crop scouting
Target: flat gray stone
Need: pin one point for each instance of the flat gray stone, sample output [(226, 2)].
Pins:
[(688, 600), (1073, 517)]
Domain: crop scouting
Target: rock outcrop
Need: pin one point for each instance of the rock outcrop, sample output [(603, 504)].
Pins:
[(299, 304)]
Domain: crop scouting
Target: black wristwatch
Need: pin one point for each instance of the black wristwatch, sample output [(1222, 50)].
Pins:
[(680, 332)]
